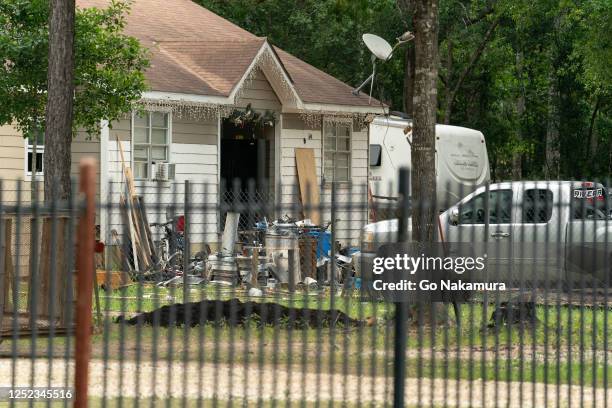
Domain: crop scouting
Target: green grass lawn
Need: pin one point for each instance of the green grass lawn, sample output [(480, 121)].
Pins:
[(558, 326), (567, 346)]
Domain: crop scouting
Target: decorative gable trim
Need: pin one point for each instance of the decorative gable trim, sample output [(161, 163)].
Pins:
[(268, 62)]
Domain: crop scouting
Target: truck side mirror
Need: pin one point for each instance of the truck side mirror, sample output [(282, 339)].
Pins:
[(454, 216)]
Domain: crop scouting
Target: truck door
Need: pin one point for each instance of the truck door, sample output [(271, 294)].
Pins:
[(537, 235), (490, 238)]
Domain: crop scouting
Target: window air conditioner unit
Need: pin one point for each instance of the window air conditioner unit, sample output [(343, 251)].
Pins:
[(163, 171)]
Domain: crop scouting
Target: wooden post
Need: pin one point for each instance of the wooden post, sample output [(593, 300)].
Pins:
[(6, 265), (255, 266), (85, 274), (292, 271)]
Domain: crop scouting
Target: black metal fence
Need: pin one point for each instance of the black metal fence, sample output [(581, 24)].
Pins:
[(295, 312)]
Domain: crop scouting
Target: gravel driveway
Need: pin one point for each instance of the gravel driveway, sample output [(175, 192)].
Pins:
[(267, 382)]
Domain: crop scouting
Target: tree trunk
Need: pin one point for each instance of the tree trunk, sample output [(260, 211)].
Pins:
[(409, 81), (553, 153), (423, 152), (517, 156), (60, 90), (407, 11), (424, 217)]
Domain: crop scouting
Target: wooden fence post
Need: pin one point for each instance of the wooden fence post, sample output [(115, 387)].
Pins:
[(85, 274)]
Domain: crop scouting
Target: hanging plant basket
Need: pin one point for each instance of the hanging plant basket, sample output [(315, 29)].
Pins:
[(251, 118)]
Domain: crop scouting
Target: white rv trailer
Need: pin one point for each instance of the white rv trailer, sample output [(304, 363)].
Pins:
[(462, 163)]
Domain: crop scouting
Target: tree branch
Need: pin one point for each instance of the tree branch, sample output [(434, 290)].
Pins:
[(469, 68), (593, 142), (481, 16), (442, 79)]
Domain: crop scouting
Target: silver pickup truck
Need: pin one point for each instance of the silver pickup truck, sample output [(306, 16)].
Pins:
[(554, 231)]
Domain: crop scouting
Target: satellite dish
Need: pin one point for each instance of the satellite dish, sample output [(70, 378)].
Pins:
[(381, 50), (378, 46)]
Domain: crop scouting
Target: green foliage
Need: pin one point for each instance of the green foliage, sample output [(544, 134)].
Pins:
[(109, 65), (568, 42), (325, 33), (594, 46), (536, 43)]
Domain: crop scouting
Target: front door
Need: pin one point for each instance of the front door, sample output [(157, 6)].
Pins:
[(246, 169)]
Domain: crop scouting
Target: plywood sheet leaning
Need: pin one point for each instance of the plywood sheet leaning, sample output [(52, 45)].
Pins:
[(139, 231), (309, 188)]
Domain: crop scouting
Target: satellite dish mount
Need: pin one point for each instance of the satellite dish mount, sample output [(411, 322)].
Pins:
[(381, 50)]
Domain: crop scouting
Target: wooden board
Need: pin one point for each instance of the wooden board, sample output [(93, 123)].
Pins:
[(129, 181), (114, 279), (308, 256), (6, 262), (309, 188), (146, 227), (117, 257), (138, 256), (24, 326), (371, 204), (141, 229)]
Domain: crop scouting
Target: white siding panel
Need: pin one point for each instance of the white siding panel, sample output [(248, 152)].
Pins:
[(194, 151), (359, 144), (360, 154), (192, 171), (195, 162), (349, 219), (298, 142), (259, 93), (186, 148)]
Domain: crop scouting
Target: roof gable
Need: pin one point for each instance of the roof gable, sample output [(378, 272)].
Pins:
[(194, 51), (206, 61)]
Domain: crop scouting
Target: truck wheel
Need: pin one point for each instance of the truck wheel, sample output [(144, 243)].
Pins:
[(565, 286), (565, 281)]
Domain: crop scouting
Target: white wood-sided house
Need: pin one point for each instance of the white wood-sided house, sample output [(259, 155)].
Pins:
[(203, 68)]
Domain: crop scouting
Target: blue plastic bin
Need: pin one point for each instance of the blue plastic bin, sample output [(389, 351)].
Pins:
[(323, 242)]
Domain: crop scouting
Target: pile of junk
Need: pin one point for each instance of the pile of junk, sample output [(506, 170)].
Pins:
[(285, 252)]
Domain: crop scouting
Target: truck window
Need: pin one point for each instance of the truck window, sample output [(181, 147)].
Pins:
[(589, 203), (375, 155), (500, 208), (537, 206)]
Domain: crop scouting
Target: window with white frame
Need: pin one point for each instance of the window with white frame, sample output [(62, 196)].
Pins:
[(337, 151), (150, 141), (40, 151)]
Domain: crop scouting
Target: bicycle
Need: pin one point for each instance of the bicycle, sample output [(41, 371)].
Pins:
[(169, 251)]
